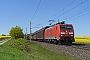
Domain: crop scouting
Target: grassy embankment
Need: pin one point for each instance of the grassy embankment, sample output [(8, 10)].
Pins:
[(22, 50), (4, 37), (82, 39)]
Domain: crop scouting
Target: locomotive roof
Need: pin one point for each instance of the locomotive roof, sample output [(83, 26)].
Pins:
[(61, 23)]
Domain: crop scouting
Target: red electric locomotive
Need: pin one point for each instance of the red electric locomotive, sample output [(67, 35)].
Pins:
[(60, 33)]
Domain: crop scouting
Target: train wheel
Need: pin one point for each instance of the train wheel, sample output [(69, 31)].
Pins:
[(50, 41), (53, 42), (56, 42)]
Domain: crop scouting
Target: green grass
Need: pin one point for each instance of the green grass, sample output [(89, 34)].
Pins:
[(22, 50), (11, 51)]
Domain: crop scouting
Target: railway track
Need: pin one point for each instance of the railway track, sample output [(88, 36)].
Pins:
[(80, 51), (81, 46)]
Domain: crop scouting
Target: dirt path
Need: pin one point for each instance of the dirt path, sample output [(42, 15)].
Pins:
[(4, 41)]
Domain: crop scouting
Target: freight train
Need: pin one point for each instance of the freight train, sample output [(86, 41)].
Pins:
[(59, 33)]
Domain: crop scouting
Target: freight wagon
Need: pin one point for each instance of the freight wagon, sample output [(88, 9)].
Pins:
[(39, 35)]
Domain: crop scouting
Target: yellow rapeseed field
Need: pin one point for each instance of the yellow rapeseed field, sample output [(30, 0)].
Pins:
[(82, 39), (5, 36)]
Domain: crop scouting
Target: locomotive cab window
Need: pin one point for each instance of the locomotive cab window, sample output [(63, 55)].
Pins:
[(69, 27), (66, 27), (62, 27)]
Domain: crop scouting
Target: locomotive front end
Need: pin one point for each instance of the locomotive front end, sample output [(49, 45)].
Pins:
[(66, 33)]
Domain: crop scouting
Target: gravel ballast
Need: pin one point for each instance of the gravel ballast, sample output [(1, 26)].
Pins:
[(80, 53)]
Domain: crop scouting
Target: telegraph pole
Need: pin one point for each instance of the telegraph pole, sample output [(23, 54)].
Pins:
[(26, 31), (26, 34), (30, 31)]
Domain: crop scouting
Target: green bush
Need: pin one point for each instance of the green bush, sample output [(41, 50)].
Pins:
[(16, 32), (20, 44)]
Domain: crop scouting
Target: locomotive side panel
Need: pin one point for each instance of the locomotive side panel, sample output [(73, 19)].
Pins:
[(50, 33)]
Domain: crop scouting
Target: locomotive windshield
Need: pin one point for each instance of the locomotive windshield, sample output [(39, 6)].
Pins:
[(66, 27)]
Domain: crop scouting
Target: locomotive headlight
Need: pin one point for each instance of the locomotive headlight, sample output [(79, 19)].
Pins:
[(61, 35), (70, 32), (71, 35), (62, 32)]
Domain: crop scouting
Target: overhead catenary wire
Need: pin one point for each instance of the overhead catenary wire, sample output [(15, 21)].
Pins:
[(78, 13), (36, 10), (79, 16), (82, 2), (64, 8)]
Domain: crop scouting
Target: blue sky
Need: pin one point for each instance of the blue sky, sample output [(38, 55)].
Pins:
[(20, 13)]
